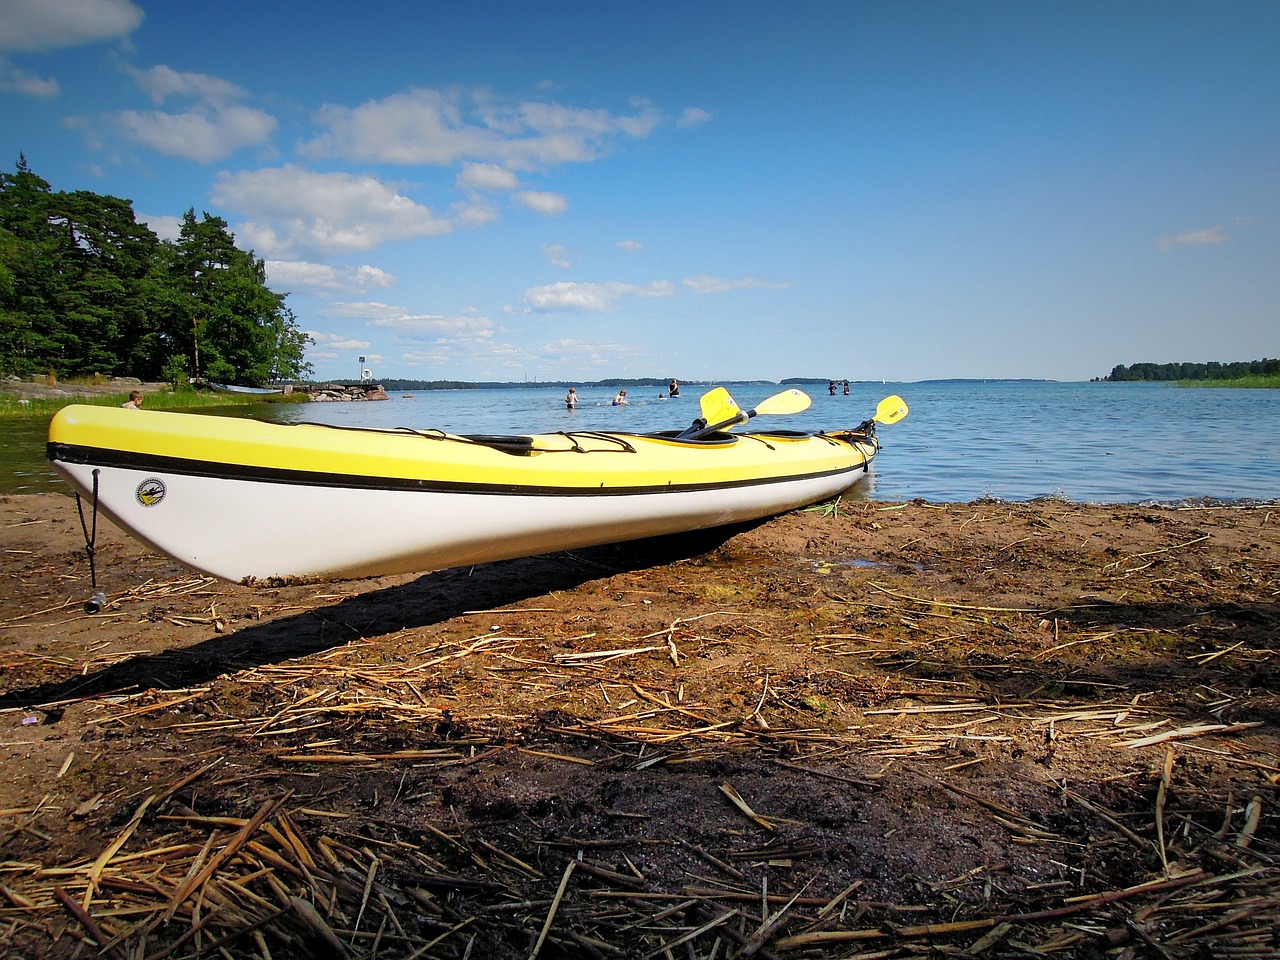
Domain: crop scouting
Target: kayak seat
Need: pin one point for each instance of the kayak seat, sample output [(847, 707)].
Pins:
[(721, 437)]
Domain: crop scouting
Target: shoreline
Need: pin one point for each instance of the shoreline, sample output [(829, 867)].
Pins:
[(940, 721), (1120, 445)]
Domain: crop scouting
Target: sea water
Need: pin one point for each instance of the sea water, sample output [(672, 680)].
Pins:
[(963, 440)]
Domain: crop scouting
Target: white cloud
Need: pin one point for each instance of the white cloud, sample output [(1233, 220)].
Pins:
[(213, 126), (486, 176), (421, 126), (19, 81), (29, 26), (436, 358), (293, 275), (473, 212), (631, 246), (164, 227), (557, 255), (203, 134), (644, 121), (387, 316), (591, 297), (162, 82), (443, 127), (581, 353), (465, 328), (54, 24), (547, 204), (340, 342), (368, 276), (365, 310), (693, 117), (1195, 238), (292, 210), (707, 284)]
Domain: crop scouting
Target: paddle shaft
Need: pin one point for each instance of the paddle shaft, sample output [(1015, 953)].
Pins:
[(742, 416)]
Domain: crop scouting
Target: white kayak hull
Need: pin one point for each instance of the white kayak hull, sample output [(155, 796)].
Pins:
[(322, 533)]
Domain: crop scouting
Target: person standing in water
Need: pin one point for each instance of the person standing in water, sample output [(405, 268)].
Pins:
[(621, 399), (674, 389), (571, 399)]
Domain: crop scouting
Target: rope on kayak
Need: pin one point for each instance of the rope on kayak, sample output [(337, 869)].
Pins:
[(517, 444), (864, 435), (623, 445), (524, 444), (99, 599)]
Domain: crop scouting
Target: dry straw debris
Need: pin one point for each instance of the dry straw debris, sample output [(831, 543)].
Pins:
[(1006, 731)]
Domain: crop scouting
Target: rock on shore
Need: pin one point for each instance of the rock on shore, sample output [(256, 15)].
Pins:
[(46, 388), (342, 393)]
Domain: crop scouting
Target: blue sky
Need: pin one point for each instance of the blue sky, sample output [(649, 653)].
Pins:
[(575, 191)]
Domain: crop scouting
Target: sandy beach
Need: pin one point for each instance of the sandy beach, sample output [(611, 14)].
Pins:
[(887, 730)]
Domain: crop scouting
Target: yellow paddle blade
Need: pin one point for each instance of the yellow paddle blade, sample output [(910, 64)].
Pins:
[(890, 410), (717, 405), (788, 401)]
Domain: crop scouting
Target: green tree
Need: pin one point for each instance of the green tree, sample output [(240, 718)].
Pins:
[(1213, 370), (76, 260), (86, 289), (28, 330), (238, 330), (113, 254)]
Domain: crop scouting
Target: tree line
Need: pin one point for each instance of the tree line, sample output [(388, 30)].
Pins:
[(86, 290), (1195, 371), (612, 383)]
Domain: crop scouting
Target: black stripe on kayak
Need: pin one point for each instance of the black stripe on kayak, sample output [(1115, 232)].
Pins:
[(149, 463)]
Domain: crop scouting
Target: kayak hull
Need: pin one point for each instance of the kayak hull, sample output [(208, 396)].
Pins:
[(247, 391), (244, 500)]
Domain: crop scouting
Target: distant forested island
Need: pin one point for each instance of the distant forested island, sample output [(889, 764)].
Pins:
[(612, 384), (1212, 370), (615, 383)]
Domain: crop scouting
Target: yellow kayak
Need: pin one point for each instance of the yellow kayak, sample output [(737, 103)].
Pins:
[(243, 500)]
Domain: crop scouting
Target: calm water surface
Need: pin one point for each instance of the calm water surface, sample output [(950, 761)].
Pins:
[(1012, 440)]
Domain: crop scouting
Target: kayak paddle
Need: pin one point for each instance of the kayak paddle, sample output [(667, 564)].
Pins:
[(890, 410), (788, 401), (717, 405)]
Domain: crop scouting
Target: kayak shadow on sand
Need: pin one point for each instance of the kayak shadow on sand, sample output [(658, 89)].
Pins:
[(430, 599)]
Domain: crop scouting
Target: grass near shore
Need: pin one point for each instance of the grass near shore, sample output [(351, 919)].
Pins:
[(1254, 382), (13, 405)]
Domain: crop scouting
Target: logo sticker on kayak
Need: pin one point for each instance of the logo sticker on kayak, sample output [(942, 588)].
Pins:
[(150, 491)]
